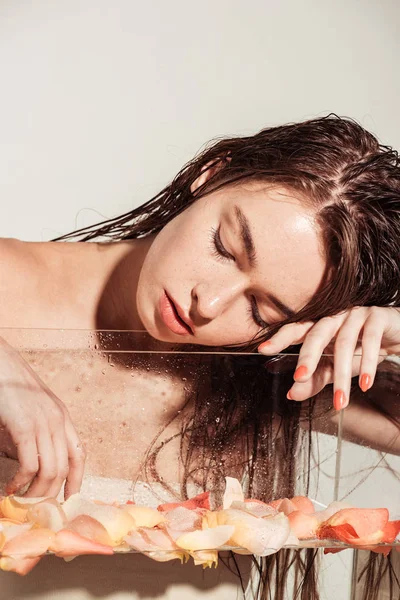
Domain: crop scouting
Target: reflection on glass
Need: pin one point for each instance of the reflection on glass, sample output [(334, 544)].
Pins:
[(161, 423)]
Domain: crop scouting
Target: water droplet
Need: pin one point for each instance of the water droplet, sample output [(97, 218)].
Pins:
[(100, 440), (217, 420), (103, 371), (96, 346)]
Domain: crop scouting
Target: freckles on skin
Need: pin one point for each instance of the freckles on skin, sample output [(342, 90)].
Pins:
[(291, 260), (182, 260)]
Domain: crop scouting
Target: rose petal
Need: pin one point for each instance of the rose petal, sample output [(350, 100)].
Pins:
[(144, 516), (303, 526), (22, 566), (68, 543), (233, 492), (29, 544), (47, 513), (199, 501), (303, 504), (207, 558), (117, 522), (167, 556), (365, 521), (206, 539), (13, 507), (91, 529), (260, 536), (148, 540), (257, 509), (184, 519)]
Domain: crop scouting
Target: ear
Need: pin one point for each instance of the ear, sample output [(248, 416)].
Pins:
[(208, 171)]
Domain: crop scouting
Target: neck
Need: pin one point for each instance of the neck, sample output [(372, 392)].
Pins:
[(117, 308), (95, 283)]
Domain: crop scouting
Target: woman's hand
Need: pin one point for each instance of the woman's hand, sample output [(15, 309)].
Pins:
[(358, 339), (39, 431)]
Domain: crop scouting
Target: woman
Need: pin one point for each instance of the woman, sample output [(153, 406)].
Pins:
[(290, 236)]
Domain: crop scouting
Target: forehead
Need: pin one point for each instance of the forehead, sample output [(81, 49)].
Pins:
[(290, 257)]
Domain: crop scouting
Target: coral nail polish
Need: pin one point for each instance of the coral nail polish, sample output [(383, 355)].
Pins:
[(300, 372), (365, 382), (339, 400), (264, 346)]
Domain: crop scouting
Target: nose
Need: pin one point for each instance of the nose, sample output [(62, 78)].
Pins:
[(211, 299)]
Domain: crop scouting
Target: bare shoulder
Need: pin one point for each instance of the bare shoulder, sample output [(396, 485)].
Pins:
[(15, 259), (17, 275), (13, 254)]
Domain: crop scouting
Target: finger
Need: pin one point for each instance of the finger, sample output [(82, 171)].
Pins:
[(345, 346), (61, 452), (290, 334), (47, 473), (371, 345), (76, 460), (27, 454), (314, 345), (303, 391)]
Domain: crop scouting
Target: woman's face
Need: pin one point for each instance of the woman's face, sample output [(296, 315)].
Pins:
[(234, 261)]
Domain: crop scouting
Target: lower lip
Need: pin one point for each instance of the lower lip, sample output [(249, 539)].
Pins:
[(169, 317)]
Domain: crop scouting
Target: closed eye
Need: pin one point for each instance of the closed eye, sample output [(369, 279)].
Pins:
[(255, 314), (221, 252), (218, 248)]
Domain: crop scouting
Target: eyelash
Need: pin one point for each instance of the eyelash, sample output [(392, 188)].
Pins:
[(220, 252)]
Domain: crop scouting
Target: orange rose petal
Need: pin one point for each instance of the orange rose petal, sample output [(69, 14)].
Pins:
[(68, 544), (365, 521), (206, 539), (257, 509), (183, 519), (22, 566), (303, 504), (283, 505), (260, 536), (47, 513), (13, 529), (207, 558), (91, 529), (161, 556), (391, 531), (29, 544), (13, 507), (144, 516), (117, 522), (159, 539), (200, 501), (303, 525)]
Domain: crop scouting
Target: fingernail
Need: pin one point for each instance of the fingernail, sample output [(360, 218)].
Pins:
[(300, 372), (288, 396), (365, 382), (264, 346), (339, 400)]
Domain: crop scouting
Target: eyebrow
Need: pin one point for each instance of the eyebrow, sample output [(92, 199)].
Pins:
[(246, 236), (250, 250)]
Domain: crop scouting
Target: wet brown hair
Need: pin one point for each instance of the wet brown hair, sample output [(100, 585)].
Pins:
[(353, 183)]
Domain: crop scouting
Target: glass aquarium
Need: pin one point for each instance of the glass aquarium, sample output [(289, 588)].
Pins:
[(146, 411)]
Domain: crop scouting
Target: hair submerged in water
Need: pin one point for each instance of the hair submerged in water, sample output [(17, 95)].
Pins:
[(353, 183)]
